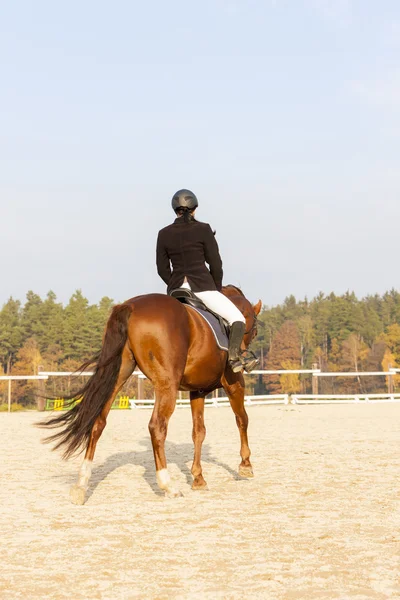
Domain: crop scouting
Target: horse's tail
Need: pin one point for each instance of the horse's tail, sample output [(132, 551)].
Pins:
[(78, 421)]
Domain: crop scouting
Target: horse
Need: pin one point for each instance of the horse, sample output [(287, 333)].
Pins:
[(176, 349)]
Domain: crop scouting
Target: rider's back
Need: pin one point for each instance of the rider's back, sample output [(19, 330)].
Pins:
[(189, 245)]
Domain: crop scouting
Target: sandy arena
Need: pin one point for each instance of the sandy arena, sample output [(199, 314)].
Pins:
[(320, 519)]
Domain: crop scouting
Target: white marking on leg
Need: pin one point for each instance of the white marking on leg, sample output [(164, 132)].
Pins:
[(164, 483), (163, 479), (85, 473)]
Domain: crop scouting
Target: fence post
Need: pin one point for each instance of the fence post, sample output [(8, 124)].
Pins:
[(390, 381), (314, 381), (140, 388), (9, 395), (40, 395)]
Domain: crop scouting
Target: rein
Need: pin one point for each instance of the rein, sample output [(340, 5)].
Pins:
[(256, 322)]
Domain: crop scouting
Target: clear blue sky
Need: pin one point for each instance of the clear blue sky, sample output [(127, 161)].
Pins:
[(282, 116)]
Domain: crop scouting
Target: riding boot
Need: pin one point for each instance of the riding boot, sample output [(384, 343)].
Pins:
[(235, 341)]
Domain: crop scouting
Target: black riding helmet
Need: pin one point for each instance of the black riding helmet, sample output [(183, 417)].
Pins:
[(184, 199)]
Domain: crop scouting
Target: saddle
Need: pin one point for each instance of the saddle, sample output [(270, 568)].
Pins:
[(216, 322), (188, 297)]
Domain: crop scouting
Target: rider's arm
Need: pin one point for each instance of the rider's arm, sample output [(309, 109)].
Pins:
[(212, 255), (163, 262)]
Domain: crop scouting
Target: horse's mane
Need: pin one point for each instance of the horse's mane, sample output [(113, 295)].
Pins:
[(234, 287)]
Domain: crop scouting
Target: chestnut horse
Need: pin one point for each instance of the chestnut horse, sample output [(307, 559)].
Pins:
[(175, 348)]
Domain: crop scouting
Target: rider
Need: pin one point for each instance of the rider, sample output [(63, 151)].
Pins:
[(188, 244)]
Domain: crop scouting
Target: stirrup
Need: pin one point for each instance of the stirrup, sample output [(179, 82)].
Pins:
[(236, 365), (250, 362)]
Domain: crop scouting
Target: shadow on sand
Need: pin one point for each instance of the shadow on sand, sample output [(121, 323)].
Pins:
[(179, 454)]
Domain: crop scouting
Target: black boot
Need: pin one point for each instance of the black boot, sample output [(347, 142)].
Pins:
[(235, 340)]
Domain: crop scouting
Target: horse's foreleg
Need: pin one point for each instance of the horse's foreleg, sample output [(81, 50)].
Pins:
[(233, 384), (198, 435), (77, 492), (158, 426)]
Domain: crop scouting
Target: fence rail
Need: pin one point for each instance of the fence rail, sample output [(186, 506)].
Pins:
[(250, 400), (343, 398), (263, 400), (218, 401)]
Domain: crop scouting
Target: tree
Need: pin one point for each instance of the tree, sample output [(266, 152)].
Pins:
[(285, 349), (387, 362), (32, 317), (27, 362), (271, 319), (392, 340), (290, 384), (320, 312), (84, 326), (52, 316), (76, 339), (373, 362), (97, 317), (372, 326), (305, 327), (354, 352), (11, 334)]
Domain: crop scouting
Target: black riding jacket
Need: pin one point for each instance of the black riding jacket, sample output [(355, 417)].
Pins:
[(187, 247)]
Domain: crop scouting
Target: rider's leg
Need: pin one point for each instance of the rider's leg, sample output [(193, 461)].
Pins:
[(221, 305), (235, 342)]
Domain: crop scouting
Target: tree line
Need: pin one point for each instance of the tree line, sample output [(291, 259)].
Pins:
[(334, 333)]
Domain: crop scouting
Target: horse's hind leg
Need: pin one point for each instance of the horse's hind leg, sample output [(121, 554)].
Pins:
[(198, 435), (158, 426), (233, 384), (77, 492)]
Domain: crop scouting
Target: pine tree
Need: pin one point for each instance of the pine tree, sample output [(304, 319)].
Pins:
[(76, 339), (32, 317), (11, 333), (320, 312), (52, 315), (306, 332)]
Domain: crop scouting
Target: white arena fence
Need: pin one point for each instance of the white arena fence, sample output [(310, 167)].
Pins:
[(344, 398), (250, 400), (219, 401)]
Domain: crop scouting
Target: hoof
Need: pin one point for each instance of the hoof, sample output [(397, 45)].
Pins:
[(77, 495), (246, 472), (199, 485), (173, 493)]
